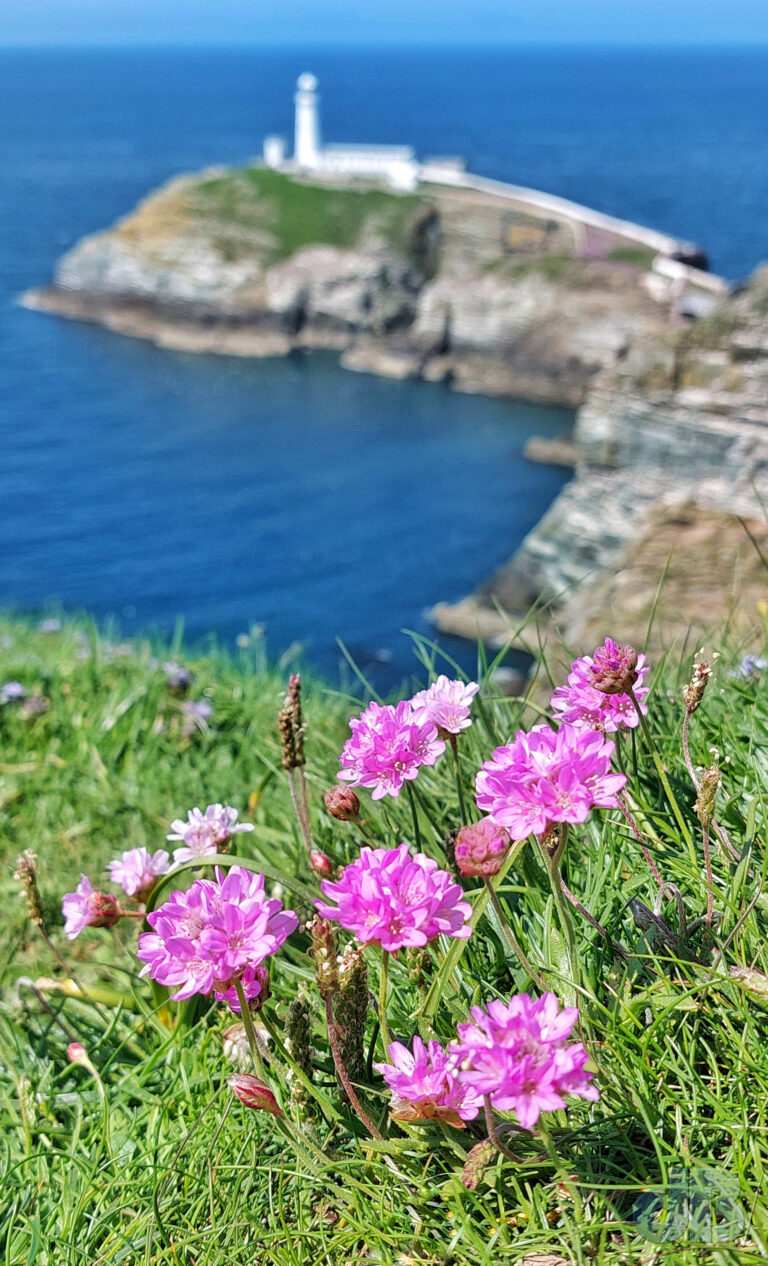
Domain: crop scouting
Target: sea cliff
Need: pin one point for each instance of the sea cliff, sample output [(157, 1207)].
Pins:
[(477, 288), (491, 295)]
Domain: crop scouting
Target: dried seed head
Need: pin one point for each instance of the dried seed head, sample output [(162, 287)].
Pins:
[(26, 874), (478, 1160), (324, 954), (704, 808), (694, 691), (291, 726)]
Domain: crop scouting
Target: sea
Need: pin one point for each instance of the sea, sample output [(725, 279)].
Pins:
[(315, 505)]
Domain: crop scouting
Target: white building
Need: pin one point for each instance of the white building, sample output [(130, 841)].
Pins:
[(396, 164)]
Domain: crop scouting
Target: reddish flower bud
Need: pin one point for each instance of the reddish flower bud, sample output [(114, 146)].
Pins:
[(342, 803), (614, 668), (77, 1054), (480, 848), (320, 862), (254, 1093)]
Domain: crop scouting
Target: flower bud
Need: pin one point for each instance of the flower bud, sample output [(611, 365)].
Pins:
[(342, 803), (614, 668), (694, 691), (254, 1093), (320, 862), (103, 910), (480, 848), (77, 1054)]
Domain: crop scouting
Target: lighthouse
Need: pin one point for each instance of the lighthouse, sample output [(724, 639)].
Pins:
[(306, 151)]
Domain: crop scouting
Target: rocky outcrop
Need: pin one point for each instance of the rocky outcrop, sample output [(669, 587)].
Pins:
[(449, 284), (671, 481)]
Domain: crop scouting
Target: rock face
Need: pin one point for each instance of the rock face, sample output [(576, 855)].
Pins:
[(672, 475), (449, 284)]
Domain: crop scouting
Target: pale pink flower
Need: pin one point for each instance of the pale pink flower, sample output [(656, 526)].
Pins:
[(445, 704), (480, 848), (425, 1085), (88, 907), (519, 1055), (205, 833), (388, 897), (548, 776), (137, 871), (387, 748), (206, 938), (583, 703)]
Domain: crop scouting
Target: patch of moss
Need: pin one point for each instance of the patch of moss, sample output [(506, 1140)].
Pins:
[(287, 214)]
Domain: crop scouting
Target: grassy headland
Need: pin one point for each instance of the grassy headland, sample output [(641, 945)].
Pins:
[(143, 1159)]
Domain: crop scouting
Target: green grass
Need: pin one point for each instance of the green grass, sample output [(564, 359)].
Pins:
[(292, 214), (638, 256), (149, 1162)]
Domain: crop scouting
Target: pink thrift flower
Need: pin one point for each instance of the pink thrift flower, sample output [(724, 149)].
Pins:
[(205, 833), (426, 1087), (583, 704), (87, 907), (519, 1055), (393, 899), (481, 847), (137, 871), (445, 704), (205, 939), (388, 746), (548, 776)]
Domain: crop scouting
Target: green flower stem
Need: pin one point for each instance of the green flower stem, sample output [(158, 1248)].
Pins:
[(660, 770), (563, 913), (317, 1094), (385, 1034), (511, 938), (250, 1032), (414, 815), (457, 768)]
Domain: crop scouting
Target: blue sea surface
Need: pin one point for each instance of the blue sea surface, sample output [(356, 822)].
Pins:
[(153, 485)]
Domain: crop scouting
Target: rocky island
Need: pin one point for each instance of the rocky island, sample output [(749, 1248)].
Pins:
[(493, 290)]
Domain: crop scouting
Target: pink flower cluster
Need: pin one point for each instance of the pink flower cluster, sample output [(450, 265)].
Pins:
[(548, 776), (389, 897), (208, 937), (445, 704), (518, 1054), (204, 833), (582, 704), (426, 1085), (137, 871), (388, 747)]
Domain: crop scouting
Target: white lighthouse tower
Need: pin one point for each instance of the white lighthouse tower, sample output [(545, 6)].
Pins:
[(306, 151)]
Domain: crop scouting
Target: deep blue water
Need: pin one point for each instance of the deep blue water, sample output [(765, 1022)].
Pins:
[(151, 485)]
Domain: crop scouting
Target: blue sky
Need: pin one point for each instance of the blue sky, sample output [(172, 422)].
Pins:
[(301, 22)]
